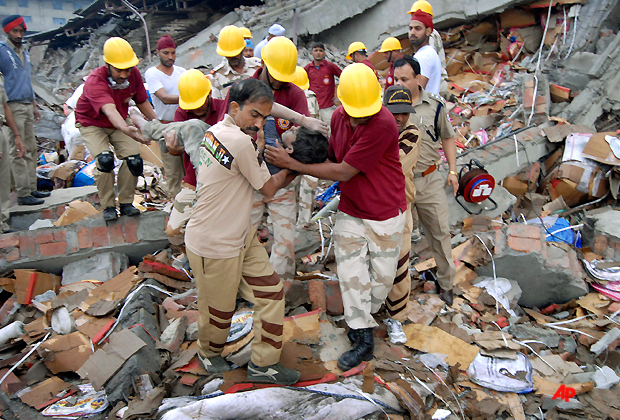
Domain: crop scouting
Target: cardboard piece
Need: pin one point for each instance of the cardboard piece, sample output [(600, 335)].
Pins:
[(433, 340), (594, 303), (42, 393), (31, 283), (515, 186), (559, 93), (517, 18), (65, 353), (559, 132), (545, 387), (599, 150), (106, 361), (65, 170), (106, 297), (76, 211), (424, 308), (589, 179), (92, 326)]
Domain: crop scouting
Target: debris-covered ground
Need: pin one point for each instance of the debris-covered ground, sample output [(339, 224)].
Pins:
[(533, 332)]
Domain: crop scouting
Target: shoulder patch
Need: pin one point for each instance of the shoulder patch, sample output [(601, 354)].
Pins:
[(436, 97), (217, 150)]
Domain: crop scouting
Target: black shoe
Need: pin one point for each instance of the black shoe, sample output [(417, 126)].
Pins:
[(446, 295), (40, 194), (129, 210), (353, 335), (363, 350), (29, 201), (272, 374), (110, 214)]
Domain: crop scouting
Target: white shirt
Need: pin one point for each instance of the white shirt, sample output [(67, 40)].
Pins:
[(72, 101), (430, 66), (259, 47), (157, 79)]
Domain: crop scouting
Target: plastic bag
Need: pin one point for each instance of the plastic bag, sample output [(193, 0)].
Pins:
[(506, 375)]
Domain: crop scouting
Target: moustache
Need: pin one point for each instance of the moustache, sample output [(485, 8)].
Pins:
[(251, 129)]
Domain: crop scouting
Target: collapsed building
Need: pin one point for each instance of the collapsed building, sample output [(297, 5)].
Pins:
[(104, 321)]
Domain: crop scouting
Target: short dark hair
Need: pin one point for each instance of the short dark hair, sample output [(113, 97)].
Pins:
[(309, 146), (317, 45), (407, 59), (248, 91)]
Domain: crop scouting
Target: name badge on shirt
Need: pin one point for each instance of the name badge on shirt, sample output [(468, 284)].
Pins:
[(217, 150)]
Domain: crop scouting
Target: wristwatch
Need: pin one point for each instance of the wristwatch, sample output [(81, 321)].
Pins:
[(453, 173)]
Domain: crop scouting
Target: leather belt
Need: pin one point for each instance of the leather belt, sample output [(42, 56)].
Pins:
[(429, 171)]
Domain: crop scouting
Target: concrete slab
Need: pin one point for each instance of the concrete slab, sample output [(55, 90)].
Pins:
[(58, 197)]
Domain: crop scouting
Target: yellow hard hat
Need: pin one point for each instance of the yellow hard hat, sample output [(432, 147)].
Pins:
[(194, 88), (355, 46), (118, 53), (230, 41), (246, 33), (390, 44), (422, 5), (359, 91), (301, 78), (280, 57)]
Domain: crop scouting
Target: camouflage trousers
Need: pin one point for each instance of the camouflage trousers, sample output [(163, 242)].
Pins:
[(282, 210), (397, 301), (366, 256), (180, 214), (307, 188)]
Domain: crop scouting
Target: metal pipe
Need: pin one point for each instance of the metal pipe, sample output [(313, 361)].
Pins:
[(146, 29)]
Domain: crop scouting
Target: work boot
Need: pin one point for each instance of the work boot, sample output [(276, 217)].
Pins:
[(446, 295), (216, 364), (110, 214), (353, 335), (362, 351), (40, 194), (128, 210), (272, 374), (29, 201)]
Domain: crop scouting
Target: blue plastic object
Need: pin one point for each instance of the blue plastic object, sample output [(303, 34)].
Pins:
[(85, 176)]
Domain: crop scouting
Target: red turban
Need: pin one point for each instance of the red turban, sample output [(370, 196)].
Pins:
[(12, 21), (165, 42), (424, 18)]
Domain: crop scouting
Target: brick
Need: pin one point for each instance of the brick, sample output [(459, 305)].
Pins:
[(115, 230), (316, 289), (47, 214), (26, 246), (333, 298), (61, 235), (6, 309), (600, 244), (131, 230), (60, 210), (100, 236), (44, 238), (9, 239), (524, 244), (614, 307), (13, 255), (519, 230), (85, 238), (55, 248)]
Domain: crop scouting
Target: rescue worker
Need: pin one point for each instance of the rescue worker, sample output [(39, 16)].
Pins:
[(278, 72), (363, 156), (431, 204), (235, 66), (391, 50), (101, 114), (163, 83), (321, 74), (6, 118), (274, 31), (358, 54), (436, 42), (16, 68), (222, 247), (420, 29), (397, 100)]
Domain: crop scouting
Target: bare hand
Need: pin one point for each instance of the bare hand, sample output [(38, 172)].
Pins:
[(19, 146), (135, 134), (172, 143), (278, 156), (454, 182), (316, 125), (37, 115)]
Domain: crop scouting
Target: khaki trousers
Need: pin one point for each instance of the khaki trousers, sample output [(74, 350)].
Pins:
[(5, 184), (325, 114), (432, 208), (218, 282), (99, 140), (174, 172), (307, 187), (24, 169), (366, 256), (397, 301)]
